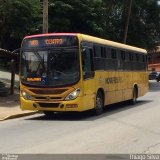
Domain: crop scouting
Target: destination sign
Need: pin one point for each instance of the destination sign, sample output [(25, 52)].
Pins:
[(50, 41), (54, 41)]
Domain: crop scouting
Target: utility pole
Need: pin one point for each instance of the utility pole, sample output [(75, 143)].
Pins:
[(12, 76), (127, 22), (45, 16)]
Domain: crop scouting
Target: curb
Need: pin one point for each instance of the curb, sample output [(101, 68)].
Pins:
[(18, 115)]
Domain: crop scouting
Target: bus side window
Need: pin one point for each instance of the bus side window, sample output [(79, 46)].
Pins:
[(87, 63)]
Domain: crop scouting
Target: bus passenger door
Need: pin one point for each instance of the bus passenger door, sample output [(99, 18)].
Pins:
[(88, 78)]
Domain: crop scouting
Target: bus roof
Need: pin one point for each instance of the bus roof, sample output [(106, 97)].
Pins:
[(111, 43), (93, 39), (51, 34)]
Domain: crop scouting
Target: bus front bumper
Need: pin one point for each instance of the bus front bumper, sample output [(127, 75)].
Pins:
[(59, 106)]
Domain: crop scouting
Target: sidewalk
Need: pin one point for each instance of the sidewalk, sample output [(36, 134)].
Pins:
[(10, 108), (9, 105)]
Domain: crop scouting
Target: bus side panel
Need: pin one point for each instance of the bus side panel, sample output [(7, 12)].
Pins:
[(143, 84), (127, 86), (88, 94), (119, 86)]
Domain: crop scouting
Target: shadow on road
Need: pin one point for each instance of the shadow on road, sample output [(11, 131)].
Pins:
[(154, 86), (88, 115)]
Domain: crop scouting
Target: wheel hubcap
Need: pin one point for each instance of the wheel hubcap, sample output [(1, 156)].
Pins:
[(98, 103)]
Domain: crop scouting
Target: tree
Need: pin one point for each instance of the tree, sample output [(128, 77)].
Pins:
[(101, 18), (144, 25), (143, 28), (75, 16), (17, 18), (112, 19)]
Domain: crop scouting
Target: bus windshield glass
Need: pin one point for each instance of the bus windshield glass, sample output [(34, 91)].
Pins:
[(57, 66)]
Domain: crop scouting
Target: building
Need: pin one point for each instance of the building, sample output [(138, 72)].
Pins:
[(154, 59)]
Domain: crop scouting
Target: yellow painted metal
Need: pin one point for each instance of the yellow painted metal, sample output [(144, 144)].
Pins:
[(117, 85)]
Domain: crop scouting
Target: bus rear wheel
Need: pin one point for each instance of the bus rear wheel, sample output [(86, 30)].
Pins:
[(99, 104), (134, 99)]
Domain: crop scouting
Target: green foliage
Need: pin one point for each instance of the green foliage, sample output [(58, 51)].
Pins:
[(144, 24), (18, 17), (75, 16), (101, 18), (112, 18)]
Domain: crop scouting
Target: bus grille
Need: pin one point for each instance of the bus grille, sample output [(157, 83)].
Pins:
[(47, 98), (49, 105), (47, 91)]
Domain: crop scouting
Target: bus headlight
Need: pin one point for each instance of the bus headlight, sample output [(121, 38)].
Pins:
[(26, 95), (73, 95)]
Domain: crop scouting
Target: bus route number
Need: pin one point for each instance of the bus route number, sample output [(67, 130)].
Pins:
[(34, 42)]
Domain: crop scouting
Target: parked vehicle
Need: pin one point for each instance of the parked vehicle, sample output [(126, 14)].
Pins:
[(158, 77), (152, 75)]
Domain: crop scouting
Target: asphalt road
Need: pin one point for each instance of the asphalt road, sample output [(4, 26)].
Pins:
[(121, 129)]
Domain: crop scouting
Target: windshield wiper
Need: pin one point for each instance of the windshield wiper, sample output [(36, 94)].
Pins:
[(40, 63)]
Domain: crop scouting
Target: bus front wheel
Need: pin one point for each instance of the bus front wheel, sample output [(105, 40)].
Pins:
[(99, 104)]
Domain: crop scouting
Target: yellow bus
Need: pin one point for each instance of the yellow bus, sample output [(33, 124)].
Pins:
[(63, 72)]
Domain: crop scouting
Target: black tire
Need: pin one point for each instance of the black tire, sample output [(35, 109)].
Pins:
[(134, 99), (99, 104), (49, 114)]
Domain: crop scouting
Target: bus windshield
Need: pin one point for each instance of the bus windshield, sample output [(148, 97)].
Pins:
[(50, 67)]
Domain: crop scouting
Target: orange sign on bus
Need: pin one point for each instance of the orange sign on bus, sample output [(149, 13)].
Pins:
[(53, 41), (34, 42)]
